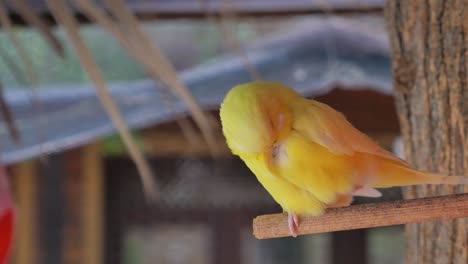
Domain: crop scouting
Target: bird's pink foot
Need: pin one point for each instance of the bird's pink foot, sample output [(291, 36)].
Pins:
[(293, 223)]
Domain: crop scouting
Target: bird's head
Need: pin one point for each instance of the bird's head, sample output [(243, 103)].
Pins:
[(256, 115)]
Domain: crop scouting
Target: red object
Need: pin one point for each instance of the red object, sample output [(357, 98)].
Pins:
[(6, 231), (7, 218)]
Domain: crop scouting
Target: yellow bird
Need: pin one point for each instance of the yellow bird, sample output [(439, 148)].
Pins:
[(306, 154)]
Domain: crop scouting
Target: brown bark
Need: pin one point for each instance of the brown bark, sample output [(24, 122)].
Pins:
[(430, 50)]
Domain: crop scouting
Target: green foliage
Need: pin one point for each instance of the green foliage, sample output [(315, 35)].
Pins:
[(114, 146)]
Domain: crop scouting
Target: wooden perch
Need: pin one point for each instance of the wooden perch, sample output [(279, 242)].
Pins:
[(366, 216)]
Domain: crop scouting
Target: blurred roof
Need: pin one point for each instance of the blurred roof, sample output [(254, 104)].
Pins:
[(311, 58), (157, 9)]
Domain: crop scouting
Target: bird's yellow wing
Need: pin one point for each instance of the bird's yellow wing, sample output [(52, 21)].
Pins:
[(313, 168), (323, 125)]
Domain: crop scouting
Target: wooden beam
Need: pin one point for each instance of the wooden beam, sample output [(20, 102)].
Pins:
[(163, 9), (25, 182), (366, 216), (169, 141)]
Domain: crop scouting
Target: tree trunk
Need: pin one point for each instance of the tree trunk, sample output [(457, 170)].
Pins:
[(430, 51)]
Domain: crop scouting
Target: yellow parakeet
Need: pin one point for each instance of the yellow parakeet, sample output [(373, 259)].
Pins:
[(306, 154)]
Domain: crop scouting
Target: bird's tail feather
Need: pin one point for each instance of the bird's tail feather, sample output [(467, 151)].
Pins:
[(445, 179), (391, 174)]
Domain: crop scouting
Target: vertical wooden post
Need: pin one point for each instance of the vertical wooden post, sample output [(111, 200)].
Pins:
[(24, 179), (73, 233), (83, 227), (430, 62), (93, 204)]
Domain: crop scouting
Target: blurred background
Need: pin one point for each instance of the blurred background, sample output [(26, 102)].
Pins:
[(77, 192)]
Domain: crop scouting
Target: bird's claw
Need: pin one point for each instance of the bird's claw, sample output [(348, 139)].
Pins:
[(293, 223)]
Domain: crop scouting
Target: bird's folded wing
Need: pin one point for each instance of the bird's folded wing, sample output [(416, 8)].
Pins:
[(323, 125), (313, 168)]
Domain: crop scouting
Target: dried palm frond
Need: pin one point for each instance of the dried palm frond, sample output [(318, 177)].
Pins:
[(62, 13), (8, 117), (128, 32), (139, 53), (32, 79), (228, 29), (160, 66), (27, 12), (105, 21), (13, 67), (6, 25)]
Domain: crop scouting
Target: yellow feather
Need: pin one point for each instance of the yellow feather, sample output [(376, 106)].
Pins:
[(314, 168), (292, 198)]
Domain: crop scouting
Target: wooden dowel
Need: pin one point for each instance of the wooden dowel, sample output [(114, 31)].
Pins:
[(366, 216)]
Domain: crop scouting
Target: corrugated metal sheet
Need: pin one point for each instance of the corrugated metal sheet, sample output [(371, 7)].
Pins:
[(312, 59)]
